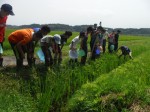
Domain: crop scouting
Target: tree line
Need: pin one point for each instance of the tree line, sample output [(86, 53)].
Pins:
[(78, 28)]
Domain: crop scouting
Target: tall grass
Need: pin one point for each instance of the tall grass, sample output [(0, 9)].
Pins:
[(123, 89)]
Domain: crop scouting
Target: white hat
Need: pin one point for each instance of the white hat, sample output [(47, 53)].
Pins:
[(57, 38)]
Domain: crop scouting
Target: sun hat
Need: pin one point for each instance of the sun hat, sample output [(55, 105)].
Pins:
[(81, 52), (57, 38), (8, 8)]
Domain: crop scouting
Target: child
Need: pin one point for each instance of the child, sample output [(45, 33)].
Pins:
[(5, 10), (125, 51), (73, 47), (22, 41), (48, 43)]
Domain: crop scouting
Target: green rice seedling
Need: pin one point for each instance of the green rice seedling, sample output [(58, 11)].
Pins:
[(115, 91), (53, 87)]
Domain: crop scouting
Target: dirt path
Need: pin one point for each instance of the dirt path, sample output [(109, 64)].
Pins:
[(11, 61)]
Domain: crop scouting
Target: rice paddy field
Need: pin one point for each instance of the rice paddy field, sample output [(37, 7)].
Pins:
[(108, 84)]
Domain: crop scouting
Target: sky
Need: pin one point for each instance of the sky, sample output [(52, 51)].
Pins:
[(112, 13)]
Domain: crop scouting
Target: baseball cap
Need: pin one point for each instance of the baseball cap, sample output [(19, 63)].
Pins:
[(36, 29), (57, 38), (8, 8)]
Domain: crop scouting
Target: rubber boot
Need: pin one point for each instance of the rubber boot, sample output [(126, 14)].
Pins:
[(31, 61), (19, 63), (1, 62)]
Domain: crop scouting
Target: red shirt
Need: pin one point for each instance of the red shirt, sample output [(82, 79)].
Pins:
[(2, 28)]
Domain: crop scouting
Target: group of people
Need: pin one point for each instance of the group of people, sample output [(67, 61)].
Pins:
[(98, 39), (24, 41)]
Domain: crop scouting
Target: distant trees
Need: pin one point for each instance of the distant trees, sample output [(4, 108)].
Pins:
[(78, 28)]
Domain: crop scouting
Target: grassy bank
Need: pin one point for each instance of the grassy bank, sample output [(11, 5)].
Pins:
[(125, 89)]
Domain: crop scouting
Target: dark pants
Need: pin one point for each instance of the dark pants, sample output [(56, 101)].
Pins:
[(104, 45), (19, 59), (93, 53), (58, 55), (83, 58), (115, 46), (1, 62), (26, 49)]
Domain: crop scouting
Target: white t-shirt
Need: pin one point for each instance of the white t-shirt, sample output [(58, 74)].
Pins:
[(47, 39), (75, 41)]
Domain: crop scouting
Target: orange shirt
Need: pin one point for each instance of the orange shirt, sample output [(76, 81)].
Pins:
[(24, 36)]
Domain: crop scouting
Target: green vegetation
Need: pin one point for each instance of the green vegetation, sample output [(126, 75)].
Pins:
[(125, 88), (108, 84)]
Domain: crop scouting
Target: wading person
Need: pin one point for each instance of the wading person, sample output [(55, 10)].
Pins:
[(116, 38), (95, 43), (73, 47), (58, 55), (125, 51), (5, 10), (23, 41), (49, 45), (83, 44), (105, 37)]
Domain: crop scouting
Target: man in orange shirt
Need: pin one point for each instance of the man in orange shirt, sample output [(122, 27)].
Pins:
[(5, 10), (23, 41)]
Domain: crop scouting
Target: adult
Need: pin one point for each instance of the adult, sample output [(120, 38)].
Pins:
[(23, 41), (116, 38), (95, 42), (58, 55), (83, 44), (105, 37), (73, 47), (125, 51), (48, 44), (5, 10)]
